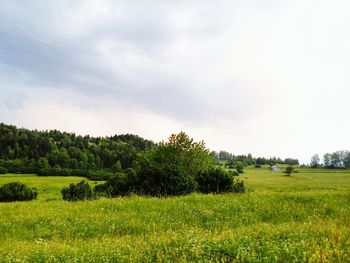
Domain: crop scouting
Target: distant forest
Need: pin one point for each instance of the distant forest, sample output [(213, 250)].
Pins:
[(26, 151)]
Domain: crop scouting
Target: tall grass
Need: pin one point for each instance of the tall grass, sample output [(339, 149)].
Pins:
[(302, 218)]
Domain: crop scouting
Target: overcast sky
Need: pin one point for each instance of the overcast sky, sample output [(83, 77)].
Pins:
[(271, 78)]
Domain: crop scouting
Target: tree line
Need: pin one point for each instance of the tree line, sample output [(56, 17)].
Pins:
[(338, 159), (232, 160)]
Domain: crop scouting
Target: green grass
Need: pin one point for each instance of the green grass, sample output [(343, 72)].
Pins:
[(302, 218)]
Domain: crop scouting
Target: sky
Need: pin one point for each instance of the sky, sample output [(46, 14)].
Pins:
[(269, 77)]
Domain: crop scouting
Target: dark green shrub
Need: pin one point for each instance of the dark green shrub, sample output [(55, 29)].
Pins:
[(289, 170), (79, 191), (118, 185), (239, 187), (216, 180), (257, 166), (156, 180), (3, 170), (17, 191)]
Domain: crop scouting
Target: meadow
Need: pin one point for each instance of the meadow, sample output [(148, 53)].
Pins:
[(301, 218)]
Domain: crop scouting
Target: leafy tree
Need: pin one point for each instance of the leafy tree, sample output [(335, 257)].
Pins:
[(17, 191)]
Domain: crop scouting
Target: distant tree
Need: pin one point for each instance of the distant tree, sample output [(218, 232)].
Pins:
[(336, 159), (346, 160), (315, 161), (289, 170), (291, 161), (327, 160)]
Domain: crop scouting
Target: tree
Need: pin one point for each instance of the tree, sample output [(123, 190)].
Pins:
[(315, 161), (327, 160), (346, 160), (289, 170)]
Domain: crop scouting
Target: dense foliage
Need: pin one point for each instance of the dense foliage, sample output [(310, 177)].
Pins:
[(79, 191), (177, 167), (172, 168), (17, 191), (216, 180), (25, 151)]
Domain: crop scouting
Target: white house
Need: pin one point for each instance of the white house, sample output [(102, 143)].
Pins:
[(275, 168)]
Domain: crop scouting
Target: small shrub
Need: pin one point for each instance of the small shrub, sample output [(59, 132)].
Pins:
[(257, 166), (289, 170), (17, 191), (3, 170), (79, 191)]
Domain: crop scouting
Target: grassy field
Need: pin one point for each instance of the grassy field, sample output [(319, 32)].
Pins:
[(302, 218)]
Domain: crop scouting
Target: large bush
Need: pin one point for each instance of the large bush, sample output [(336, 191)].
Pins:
[(3, 170), (160, 180), (172, 167), (79, 191), (17, 191), (216, 180)]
